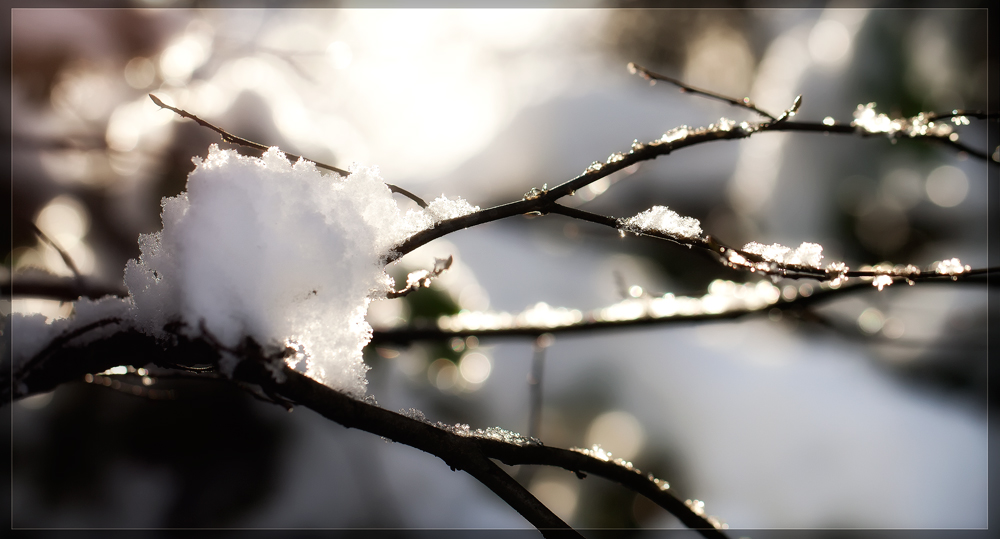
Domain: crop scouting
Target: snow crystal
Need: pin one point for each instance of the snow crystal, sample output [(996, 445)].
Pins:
[(278, 252), (663, 219), (807, 254)]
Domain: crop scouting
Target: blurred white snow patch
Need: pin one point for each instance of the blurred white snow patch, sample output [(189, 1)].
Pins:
[(663, 219), (32, 332), (261, 248)]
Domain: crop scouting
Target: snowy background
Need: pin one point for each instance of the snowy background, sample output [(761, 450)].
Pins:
[(881, 422)]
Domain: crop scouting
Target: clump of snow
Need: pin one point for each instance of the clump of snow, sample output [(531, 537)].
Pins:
[(807, 254), (950, 267), (663, 219), (261, 248)]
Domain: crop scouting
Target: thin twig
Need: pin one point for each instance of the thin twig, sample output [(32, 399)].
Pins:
[(518, 497), (615, 470), (233, 139), (841, 128), (63, 254), (745, 103)]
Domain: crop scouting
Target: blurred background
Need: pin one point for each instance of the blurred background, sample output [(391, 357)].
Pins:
[(873, 413)]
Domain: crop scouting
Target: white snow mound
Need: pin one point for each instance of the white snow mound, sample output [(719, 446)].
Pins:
[(278, 252)]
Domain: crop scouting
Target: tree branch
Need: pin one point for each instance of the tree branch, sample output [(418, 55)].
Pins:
[(652, 76), (62, 254), (458, 447), (233, 139)]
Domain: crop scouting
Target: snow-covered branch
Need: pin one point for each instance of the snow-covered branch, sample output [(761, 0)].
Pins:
[(264, 269)]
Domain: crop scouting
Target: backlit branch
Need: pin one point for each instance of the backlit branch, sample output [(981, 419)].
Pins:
[(462, 449), (240, 141), (652, 77), (458, 446)]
